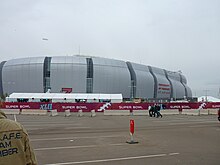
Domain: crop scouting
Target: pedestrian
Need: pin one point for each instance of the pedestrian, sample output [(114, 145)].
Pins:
[(15, 148), (219, 114), (157, 108), (150, 110)]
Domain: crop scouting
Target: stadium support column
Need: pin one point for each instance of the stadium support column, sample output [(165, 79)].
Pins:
[(171, 93), (133, 81), (155, 81), (89, 77), (1, 80), (181, 80), (46, 74)]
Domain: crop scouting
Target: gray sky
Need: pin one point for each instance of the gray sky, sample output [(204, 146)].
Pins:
[(170, 34)]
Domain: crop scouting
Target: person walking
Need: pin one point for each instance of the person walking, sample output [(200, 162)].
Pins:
[(219, 114), (157, 107), (150, 110), (15, 148)]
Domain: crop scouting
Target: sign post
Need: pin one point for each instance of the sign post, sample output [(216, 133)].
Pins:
[(131, 133)]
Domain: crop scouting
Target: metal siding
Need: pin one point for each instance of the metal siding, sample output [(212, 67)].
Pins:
[(189, 92), (68, 72), (21, 75), (184, 79), (187, 89), (1, 81), (145, 81), (111, 76), (161, 79), (178, 88)]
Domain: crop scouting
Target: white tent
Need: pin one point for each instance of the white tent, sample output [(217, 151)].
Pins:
[(208, 99), (65, 97)]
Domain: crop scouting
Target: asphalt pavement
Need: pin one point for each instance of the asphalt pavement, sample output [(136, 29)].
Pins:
[(101, 140)]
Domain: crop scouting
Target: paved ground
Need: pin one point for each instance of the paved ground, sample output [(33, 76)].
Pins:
[(171, 140)]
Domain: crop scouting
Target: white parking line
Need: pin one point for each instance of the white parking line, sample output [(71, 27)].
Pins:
[(44, 125), (75, 147), (171, 154), (196, 122), (70, 138), (115, 159), (179, 121)]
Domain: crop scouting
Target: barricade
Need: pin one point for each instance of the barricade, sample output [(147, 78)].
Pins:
[(93, 114), (117, 112), (190, 111), (140, 112), (11, 111), (170, 111), (67, 113), (212, 111), (203, 111), (80, 113), (54, 112), (33, 112)]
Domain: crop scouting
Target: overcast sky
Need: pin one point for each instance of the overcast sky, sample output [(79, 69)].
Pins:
[(170, 34)]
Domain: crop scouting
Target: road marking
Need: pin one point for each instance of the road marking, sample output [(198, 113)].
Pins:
[(82, 137), (115, 159), (49, 122), (171, 154), (179, 121), (75, 147), (193, 123), (198, 126), (40, 125)]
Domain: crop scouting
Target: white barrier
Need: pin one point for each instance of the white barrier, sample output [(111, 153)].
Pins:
[(54, 112), (140, 113), (117, 112), (93, 114), (11, 111), (33, 112), (212, 111), (67, 113), (170, 112), (190, 112), (199, 111), (80, 113), (203, 111)]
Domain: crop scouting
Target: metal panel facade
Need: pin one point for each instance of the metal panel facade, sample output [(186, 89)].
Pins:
[(184, 81), (111, 76), (107, 76), (68, 72), (163, 85), (189, 92), (144, 81), (178, 88), (1, 87), (23, 75)]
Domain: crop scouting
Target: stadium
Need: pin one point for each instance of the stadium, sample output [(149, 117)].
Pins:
[(86, 74)]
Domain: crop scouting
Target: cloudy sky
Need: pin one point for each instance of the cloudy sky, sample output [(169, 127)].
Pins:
[(170, 34)]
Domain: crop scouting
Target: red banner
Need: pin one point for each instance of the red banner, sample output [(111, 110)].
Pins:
[(100, 107)]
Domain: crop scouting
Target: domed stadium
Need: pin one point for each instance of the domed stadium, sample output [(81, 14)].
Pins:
[(85, 74)]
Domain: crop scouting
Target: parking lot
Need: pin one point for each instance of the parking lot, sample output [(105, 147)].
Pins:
[(173, 139)]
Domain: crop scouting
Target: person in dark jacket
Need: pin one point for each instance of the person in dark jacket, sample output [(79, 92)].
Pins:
[(157, 111), (219, 114)]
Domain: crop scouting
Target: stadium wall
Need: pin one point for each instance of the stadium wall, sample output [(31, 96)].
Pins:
[(85, 74)]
